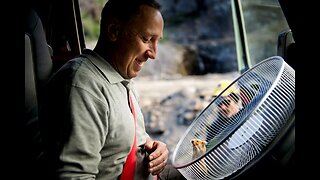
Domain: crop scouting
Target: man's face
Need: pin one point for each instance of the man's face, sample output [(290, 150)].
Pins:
[(229, 107), (138, 41)]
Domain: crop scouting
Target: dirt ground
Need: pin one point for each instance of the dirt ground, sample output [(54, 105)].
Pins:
[(151, 88)]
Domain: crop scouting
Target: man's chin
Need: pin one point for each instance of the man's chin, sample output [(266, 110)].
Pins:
[(133, 75)]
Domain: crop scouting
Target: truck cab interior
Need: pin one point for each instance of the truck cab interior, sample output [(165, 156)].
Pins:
[(54, 35)]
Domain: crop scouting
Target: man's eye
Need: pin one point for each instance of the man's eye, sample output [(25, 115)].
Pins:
[(145, 39)]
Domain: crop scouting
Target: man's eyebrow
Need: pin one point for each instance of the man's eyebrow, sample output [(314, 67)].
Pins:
[(156, 36), (151, 35)]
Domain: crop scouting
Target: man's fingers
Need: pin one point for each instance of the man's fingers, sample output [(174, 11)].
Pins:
[(160, 151), (158, 168)]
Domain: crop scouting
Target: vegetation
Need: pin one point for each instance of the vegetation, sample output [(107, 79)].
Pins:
[(90, 14)]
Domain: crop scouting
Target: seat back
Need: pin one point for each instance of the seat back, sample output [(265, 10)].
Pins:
[(38, 69), (286, 47)]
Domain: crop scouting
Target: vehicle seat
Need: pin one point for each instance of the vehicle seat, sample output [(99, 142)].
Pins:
[(38, 69), (286, 47)]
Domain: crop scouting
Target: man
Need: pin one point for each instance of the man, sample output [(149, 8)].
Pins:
[(229, 106), (92, 115)]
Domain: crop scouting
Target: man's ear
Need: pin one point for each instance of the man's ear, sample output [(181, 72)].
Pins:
[(113, 28)]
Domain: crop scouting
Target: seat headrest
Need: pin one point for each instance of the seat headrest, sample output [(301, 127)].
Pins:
[(42, 58)]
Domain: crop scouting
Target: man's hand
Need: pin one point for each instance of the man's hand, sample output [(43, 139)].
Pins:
[(158, 155)]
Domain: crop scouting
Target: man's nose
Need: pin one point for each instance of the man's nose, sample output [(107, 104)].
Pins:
[(152, 51)]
